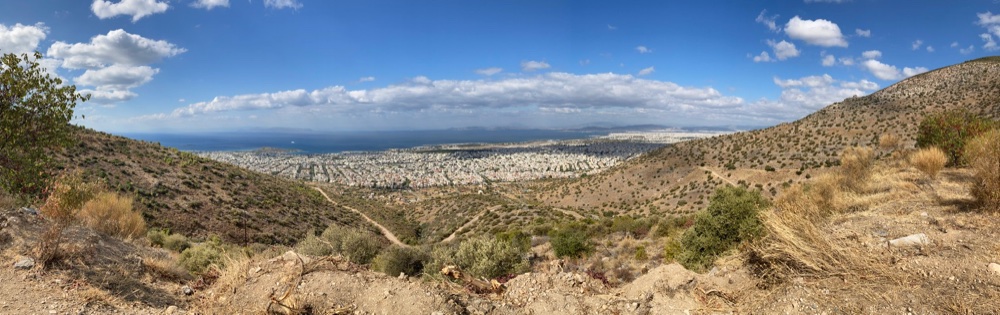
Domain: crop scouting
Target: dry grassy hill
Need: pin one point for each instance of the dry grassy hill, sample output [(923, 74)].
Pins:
[(679, 179), (200, 197)]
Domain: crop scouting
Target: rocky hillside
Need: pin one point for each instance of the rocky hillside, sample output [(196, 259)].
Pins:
[(680, 178), (200, 197)]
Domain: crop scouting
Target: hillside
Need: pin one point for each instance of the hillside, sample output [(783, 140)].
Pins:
[(200, 197), (678, 179)]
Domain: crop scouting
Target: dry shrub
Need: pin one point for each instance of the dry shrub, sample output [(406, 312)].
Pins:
[(67, 195), (983, 154), (929, 160), (889, 142), (856, 164), (112, 214), (796, 246), (165, 267)]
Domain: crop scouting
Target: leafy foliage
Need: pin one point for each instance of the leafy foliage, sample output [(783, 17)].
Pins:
[(489, 257), (197, 259), (395, 260), (35, 110), (358, 246), (732, 216), (950, 130), (570, 240)]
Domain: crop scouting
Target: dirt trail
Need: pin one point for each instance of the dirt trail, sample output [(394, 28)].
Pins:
[(385, 232), (467, 224), (723, 178), (574, 214)]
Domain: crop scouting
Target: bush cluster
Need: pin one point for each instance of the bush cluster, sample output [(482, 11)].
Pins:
[(357, 246), (732, 216), (198, 258), (489, 257), (172, 241), (570, 240), (929, 160), (396, 259), (950, 130), (112, 214)]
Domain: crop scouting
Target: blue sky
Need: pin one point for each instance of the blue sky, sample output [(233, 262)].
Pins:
[(223, 65)]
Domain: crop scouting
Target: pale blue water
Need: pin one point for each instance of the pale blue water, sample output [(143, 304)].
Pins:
[(351, 141)]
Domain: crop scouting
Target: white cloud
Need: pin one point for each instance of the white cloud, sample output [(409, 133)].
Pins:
[(552, 90), (489, 71), (768, 21), (108, 96), (532, 65), (889, 72), (117, 47), (763, 57), (643, 49), (282, 4), (136, 8), (612, 27), (783, 50), (847, 61), (954, 44), (930, 48), (646, 71), (991, 22), (872, 54), (210, 4), (916, 44), (967, 50), (988, 42), (829, 61), (815, 32), (813, 92), (366, 79), (21, 39), (909, 72), (863, 33), (117, 77)]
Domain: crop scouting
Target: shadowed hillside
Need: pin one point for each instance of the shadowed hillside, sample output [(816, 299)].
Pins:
[(200, 197), (680, 178)]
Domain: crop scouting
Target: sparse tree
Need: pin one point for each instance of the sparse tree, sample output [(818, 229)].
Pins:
[(35, 110)]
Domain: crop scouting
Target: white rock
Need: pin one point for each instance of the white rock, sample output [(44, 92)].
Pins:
[(995, 268), (911, 240), (25, 263)]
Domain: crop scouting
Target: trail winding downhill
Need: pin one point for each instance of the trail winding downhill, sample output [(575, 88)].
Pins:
[(467, 224), (719, 176), (385, 232)]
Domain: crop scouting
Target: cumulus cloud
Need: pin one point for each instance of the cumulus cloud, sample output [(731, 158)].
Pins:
[(138, 9), (117, 47), (643, 49), (646, 71), (930, 48), (829, 61), (21, 39), (863, 33), (872, 54), (807, 94), (117, 77), (783, 49), (916, 44), (210, 4), (847, 61), (815, 32), (551, 90), (282, 4), (889, 72), (366, 79), (103, 96), (991, 22), (768, 21), (532, 65), (489, 71), (967, 50), (763, 57)]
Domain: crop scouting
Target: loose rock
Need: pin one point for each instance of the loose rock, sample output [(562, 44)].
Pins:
[(995, 268), (911, 240), (25, 263), (187, 290)]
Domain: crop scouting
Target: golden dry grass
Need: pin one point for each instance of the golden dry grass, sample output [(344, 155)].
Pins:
[(983, 154), (855, 165), (889, 142), (113, 214), (929, 160)]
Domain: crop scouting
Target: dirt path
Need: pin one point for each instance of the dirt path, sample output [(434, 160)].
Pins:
[(467, 224), (569, 213), (719, 176), (385, 232)]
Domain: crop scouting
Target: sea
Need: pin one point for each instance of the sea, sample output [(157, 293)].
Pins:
[(336, 142)]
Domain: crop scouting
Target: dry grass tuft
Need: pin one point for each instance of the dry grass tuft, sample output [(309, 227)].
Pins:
[(112, 214), (983, 154), (889, 142), (856, 164), (929, 160)]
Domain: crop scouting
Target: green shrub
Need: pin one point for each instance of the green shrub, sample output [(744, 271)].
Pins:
[(983, 154), (950, 130), (731, 217), (489, 257), (197, 259), (671, 249), (314, 245), (570, 241), (156, 237), (640, 253), (176, 242), (395, 260), (520, 239), (361, 247), (356, 245)]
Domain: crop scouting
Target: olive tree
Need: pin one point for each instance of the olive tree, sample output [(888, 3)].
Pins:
[(35, 110)]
